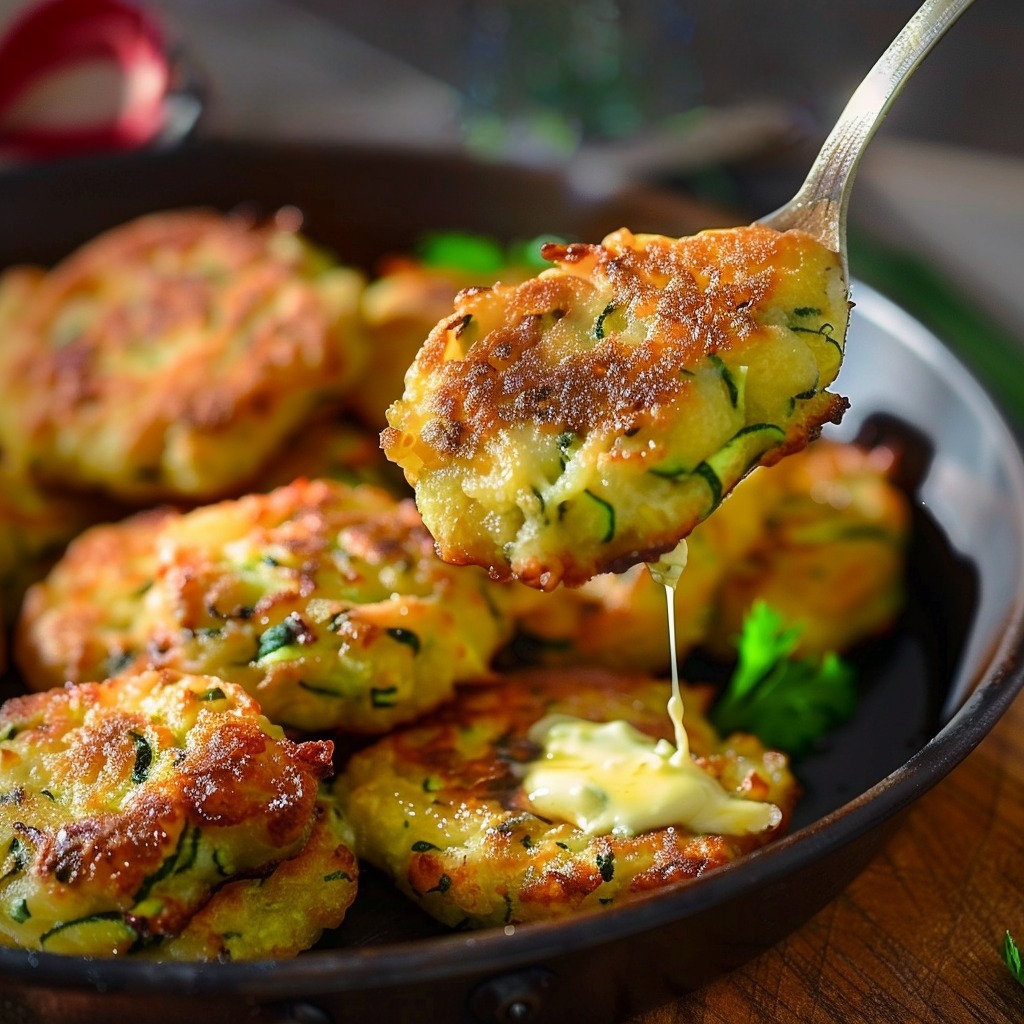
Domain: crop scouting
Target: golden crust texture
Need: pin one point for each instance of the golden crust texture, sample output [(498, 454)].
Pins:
[(440, 807), (588, 418), (399, 309), (127, 806), (170, 356), (79, 623), (326, 602), (280, 914)]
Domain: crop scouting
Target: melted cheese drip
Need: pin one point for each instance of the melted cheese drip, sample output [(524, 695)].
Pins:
[(608, 777), (667, 571)]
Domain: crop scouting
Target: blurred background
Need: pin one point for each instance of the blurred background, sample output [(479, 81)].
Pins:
[(724, 99)]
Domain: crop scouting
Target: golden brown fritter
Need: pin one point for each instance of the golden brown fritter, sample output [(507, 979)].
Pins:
[(587, 419), (821, 537), (170, 356), (831, 553), (619, 620), (440, 805), (127, 805), (80, 624), (36, 524), (326, 602)]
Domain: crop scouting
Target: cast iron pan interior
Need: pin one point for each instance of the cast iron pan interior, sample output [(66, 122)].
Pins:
[(388, 962)]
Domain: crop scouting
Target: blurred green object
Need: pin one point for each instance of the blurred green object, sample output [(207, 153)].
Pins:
[(461, 250), (1011, 955), (988, 349), (473, 253), (539, 78)]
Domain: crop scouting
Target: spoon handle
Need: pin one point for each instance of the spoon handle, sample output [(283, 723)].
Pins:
[(820, 205)]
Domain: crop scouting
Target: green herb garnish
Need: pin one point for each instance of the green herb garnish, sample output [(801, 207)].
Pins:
[(460, 250), (786, 702), (1011, 954), (480, 254)]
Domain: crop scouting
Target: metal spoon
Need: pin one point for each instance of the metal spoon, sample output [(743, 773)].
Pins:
[(820, 205)]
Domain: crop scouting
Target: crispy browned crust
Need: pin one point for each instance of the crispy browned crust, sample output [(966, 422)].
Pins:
[(400, 308), (77, 624), (643, 376), (280, 914), (440, 804), (326, 602), (511, 378), (110, 788)]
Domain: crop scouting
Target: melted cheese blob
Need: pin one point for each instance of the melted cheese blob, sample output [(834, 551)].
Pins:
[(608, 777)]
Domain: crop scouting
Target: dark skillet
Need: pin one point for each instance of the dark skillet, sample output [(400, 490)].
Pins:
[(932, 691)]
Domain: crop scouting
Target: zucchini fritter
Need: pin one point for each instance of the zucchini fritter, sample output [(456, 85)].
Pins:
[(127, 805), (587, 419), (35, 522), (170, 356), (831, 551), (326, 602), (440, 806), (821, 537)]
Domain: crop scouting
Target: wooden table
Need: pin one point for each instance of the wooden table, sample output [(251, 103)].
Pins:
[(917, 938)]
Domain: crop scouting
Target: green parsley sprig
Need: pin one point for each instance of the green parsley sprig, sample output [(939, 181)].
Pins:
[(1011, 954), (787, 702)]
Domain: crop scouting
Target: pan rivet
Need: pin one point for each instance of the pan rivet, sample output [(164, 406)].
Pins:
[(301, 1013), (511, 998)]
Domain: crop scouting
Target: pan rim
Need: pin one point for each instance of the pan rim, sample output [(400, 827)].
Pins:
[(999, 678)]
